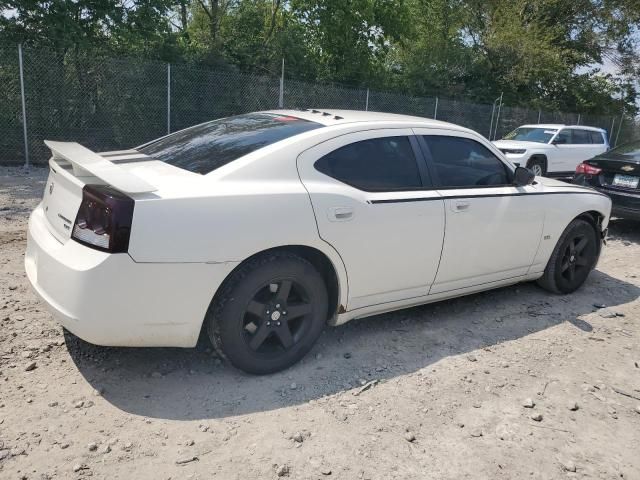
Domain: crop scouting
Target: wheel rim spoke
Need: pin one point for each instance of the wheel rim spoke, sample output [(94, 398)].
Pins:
[(572, 272), (295, 311), (284, 289), (256, 308), (565, 266), (284, 335), (259, 337), (581, 244), (277, 317)]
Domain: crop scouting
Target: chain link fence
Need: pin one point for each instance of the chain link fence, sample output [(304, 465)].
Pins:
[(109, 104)]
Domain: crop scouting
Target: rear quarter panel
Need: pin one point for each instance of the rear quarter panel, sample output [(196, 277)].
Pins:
[(248, 206)]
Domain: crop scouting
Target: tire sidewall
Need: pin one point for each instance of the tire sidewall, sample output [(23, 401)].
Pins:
[(537, 161)]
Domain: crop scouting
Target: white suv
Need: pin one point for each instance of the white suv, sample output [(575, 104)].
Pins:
[(554, 150)]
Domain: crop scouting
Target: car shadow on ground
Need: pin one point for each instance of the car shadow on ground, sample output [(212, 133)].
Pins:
[(192, 384)]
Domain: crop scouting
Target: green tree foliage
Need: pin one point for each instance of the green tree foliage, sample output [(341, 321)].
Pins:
[(537, 52)]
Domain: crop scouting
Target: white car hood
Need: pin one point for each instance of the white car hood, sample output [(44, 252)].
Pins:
[(514, 144)]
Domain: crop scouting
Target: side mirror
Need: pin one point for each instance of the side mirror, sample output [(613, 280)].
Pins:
[(523, 176), (559, 141)]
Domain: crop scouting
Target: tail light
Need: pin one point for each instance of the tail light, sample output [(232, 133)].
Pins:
[(104, 219), (587, 169)]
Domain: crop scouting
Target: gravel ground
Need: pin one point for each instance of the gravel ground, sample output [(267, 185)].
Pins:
[(512, 383)]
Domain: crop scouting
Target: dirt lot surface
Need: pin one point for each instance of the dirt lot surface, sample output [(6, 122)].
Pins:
[(513, 383)]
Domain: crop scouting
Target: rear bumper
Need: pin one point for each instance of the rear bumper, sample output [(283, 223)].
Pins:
[(108, 299), (625, 212)]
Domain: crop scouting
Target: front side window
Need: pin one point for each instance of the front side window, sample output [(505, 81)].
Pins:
[(206, 147), (377, 164), (564, 138), (531, 134), (462, 162)]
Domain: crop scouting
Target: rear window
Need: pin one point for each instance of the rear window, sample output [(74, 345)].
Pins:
[(206, 147), (596, 137)]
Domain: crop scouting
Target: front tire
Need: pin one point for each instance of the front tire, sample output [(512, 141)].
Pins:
[(537, 166), (573, 258), (269, 313)]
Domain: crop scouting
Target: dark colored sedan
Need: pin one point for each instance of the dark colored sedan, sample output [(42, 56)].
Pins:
[(617, 174)]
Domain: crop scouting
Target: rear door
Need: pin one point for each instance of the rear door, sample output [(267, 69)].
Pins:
[(493, 228), (573, 146), (588, 149), (598, 142), (374, 204)]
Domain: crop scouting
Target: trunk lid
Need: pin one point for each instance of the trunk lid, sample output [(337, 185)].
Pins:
[(61, 200), (71, 168), (619, 172)]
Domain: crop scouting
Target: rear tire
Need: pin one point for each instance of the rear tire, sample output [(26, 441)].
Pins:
[(269, 313), (573, 258), (537, 166)]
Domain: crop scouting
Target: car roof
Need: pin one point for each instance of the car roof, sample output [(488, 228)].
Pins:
[(331, 116), (561, 125)]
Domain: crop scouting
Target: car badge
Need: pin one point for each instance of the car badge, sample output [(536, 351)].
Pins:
[(50, 189), (627, 168)]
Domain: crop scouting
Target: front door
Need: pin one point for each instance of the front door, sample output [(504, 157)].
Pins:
[(373, 203), (493, 228)]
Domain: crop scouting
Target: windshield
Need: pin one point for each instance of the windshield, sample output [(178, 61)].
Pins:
[(206, 147), (531, 134), (631, 149)]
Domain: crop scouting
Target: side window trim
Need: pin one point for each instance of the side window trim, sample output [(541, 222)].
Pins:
[(426, 176), (428, 159), (437, 183)]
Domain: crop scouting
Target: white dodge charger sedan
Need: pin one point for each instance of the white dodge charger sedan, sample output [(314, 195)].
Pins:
[(262, 228)]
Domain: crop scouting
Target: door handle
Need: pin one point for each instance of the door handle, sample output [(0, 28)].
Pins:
[(340, 214), (461, 206)]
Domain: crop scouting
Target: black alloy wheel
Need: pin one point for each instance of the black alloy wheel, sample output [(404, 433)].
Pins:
[(573, 258), (277, 317), (268, 313)]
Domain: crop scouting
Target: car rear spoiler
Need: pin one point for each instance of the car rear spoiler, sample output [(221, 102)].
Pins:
[(84, 160)]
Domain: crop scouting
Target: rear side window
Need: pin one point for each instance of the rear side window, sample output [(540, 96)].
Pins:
[(206, 147), (596, 137), (462, 162), (378, 164), (581, 137)]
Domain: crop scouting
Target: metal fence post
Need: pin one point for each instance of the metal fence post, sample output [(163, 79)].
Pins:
[(168, 98), (281, 97), (495, 132), (578, 120), (619, 127), (539, 115), (435, 110), (366, 102), (613, 124), (24, 109)]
